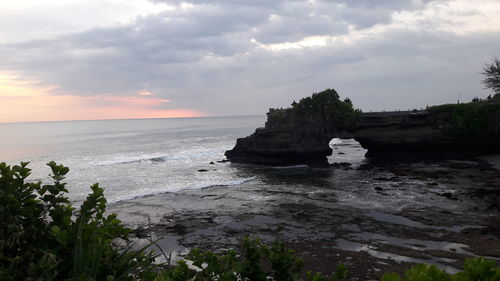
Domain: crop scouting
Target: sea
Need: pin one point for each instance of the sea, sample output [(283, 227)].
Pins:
[(130, 158)]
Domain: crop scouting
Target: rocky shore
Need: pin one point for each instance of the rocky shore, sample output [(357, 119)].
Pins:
[(373, 216)]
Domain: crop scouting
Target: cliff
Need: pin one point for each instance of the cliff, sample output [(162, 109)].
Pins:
[(420, 133), (301, 134)]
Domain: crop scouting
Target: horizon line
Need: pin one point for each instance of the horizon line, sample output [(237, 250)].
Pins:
[(140, 118)]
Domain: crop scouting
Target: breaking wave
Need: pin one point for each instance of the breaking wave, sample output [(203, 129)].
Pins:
[(156, 158), (146, 193)]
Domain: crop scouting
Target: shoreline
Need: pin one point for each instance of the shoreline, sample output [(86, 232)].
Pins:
[(372, 217)]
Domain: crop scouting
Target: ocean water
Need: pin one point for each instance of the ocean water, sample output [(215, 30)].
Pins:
[(130, 158)]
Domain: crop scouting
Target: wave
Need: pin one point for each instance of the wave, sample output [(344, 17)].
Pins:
[(289, 167), (265, 167), (120, 161), (230, 183), (147, 193), (155, 158), (335, 141)]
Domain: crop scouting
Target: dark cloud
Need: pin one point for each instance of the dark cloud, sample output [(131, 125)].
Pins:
[(204, 58)]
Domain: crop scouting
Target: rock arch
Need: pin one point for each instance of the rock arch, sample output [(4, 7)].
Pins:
[(301, 134)]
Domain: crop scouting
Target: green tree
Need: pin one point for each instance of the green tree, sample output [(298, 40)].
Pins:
[(492, 76)]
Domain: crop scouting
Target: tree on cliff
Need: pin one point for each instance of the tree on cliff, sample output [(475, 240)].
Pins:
[(324, 106), (492, 73)]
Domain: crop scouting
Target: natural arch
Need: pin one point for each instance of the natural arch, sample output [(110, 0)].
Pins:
[(301, 134)]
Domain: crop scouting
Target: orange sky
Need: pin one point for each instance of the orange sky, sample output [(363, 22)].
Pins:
[(23, 101)]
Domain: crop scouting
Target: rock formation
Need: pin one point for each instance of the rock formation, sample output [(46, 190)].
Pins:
[(419, 133), (301, 134), (297, 135)]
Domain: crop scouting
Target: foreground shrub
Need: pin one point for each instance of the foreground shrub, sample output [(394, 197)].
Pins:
[(255, 262), (42, 237), (475, 269)]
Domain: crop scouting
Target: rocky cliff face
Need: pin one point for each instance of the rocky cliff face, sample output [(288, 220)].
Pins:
[(418, 133), (287, 140), (299, 134)]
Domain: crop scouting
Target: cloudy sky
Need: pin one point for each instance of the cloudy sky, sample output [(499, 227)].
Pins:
[(100, 59)]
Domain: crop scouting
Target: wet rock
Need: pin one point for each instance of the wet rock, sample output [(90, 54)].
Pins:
[(448, 195), (461, 166), (300, 215), (389, 178), (212, 163), (401, 172), (365, 167), (340, 164), (141, 232), (177, 228), (483, 192), (204, 217)]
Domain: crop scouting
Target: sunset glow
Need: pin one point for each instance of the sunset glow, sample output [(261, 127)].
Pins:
[(22, 101), (95, 59)]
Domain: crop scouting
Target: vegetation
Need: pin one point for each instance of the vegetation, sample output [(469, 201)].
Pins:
[(492, 73), (322, 106), (472, 119), (481, 117), (42, 237), (476, 269), (256, 262)]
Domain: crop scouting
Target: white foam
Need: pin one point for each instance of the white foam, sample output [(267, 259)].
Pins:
[(158, 157), (335, 141), (229, 183), (265, 167), (289, 167), (148, 192)]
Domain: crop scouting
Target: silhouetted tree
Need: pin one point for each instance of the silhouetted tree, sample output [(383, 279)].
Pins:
[(492, 73)]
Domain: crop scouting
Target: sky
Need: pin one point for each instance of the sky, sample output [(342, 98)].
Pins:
[(118, 59)]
